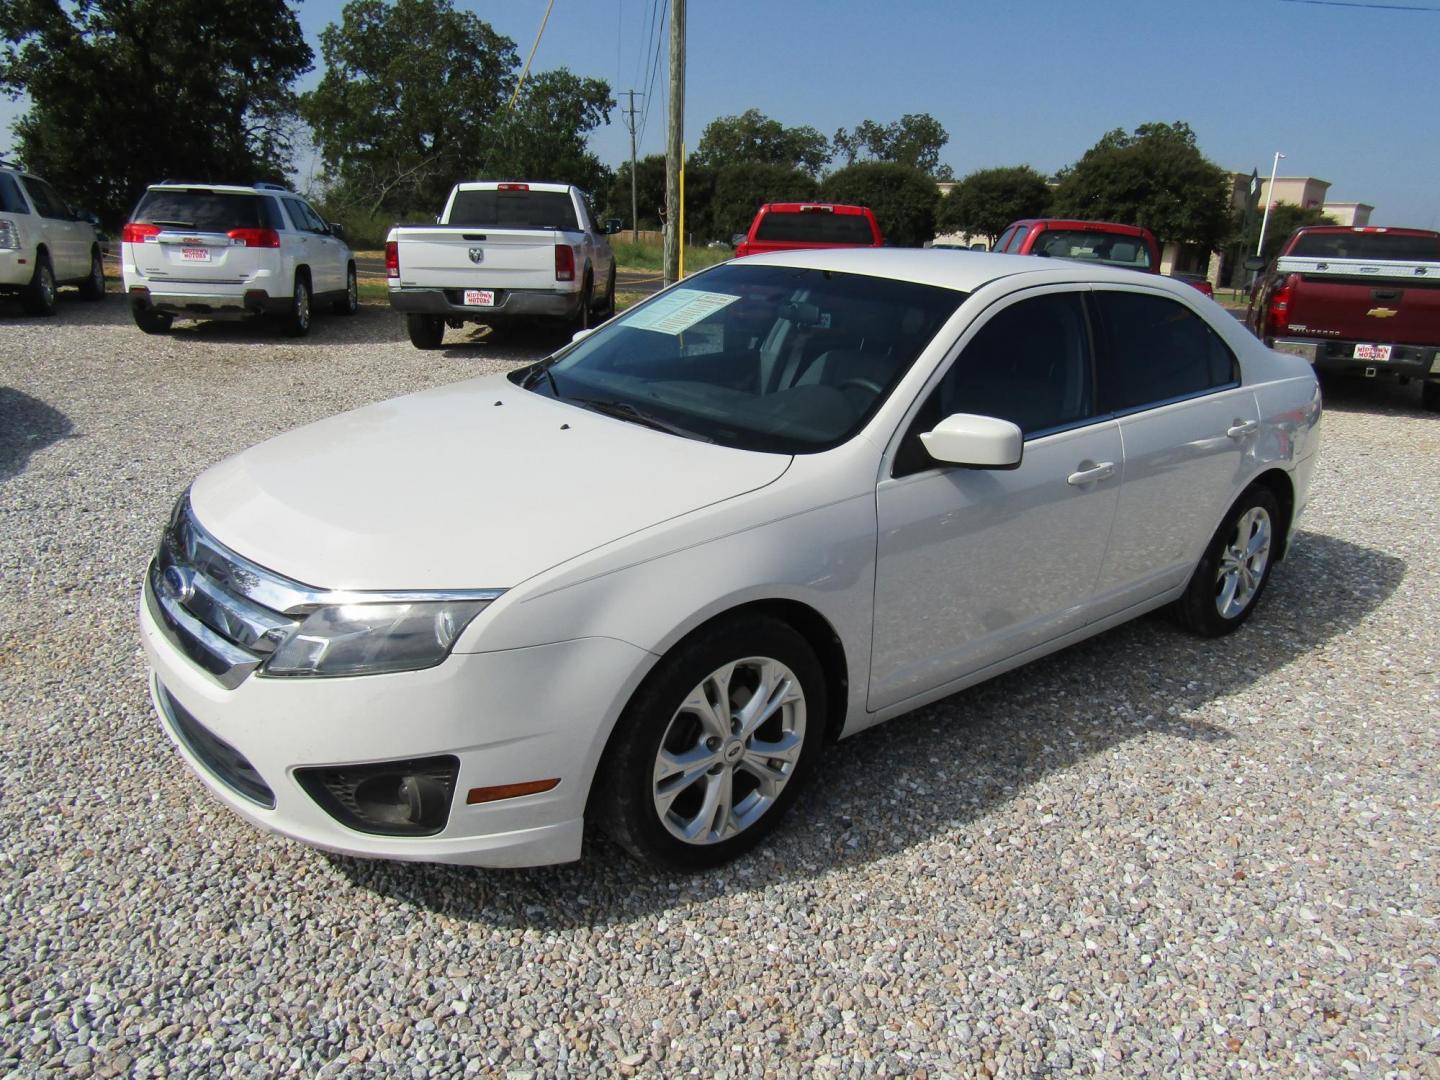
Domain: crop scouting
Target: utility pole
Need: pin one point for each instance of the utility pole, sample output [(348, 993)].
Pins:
[(673, 148), (629, 115)]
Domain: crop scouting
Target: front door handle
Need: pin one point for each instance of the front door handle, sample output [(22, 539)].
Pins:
[(1090, 473), (1240, 428)]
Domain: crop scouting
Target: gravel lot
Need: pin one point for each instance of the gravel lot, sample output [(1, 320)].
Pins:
[(1144, 856)]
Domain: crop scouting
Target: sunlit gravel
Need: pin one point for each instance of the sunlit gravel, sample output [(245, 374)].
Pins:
[(1147, 855)]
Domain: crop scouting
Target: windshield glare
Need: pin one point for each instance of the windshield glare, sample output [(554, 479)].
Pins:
[(767, 358)]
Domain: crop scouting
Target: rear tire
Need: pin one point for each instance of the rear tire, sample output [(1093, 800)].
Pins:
[(350, 302), (584, 317), (151, 321), (608, 310), (1430, 395), (426, 331), (296, 322), (93, 287), (1232, 574), (38, 297)]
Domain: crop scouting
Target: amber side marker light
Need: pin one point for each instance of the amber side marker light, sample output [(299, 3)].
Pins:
[(508, 791)]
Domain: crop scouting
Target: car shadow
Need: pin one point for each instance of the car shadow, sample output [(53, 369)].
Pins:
[(532, 339), (27, 424), (948, 764), (1384, 397)]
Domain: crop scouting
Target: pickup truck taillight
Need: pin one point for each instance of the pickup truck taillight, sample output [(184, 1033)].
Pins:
[(392, 259), (254, 238), (138, 234), (564, 262), (1277, 314)]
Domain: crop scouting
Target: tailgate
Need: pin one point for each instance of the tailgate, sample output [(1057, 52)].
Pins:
[(463, 257), (1354, 300), (196, 257)]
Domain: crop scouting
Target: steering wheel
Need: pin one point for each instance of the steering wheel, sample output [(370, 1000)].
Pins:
[(864, 384)]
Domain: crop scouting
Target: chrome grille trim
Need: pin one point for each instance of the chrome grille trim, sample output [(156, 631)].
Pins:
[(227, 663)]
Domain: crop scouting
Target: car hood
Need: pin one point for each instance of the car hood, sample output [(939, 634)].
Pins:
[(476, 485)]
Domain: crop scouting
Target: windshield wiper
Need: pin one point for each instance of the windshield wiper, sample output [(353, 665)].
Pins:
[(542, 368), (623, 410)]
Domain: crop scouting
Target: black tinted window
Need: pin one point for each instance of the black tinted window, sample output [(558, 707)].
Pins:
[(815, 227), (46, 201), (1358, 245), (11, 201), (200, 209), (514, 209), (304, 218), (1157, 349), (1017, 240)]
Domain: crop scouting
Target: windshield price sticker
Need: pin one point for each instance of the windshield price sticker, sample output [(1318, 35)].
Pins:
[(680, 310)]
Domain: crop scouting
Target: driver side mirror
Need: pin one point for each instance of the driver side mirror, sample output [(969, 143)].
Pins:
[(976, 442), (1255, 263), (613, 225), (337, 230)]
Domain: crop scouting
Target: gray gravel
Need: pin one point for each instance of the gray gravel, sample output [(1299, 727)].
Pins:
[(1145, 856)]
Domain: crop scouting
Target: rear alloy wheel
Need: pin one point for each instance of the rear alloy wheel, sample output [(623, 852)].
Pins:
[(150, 320), (709, 753), (350, 302), (1233, 572), (296, 322), (426, 331), (38, 297), (93, 287), (1430, 395)]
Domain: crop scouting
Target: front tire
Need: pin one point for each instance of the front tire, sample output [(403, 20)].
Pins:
[(38, 297), (426, 331), (350, 302), (1232, 574), (93, 287), (708, 755), (296, 322)]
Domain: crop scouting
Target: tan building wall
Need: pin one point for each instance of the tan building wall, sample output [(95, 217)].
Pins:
[(1349, 213), (1295, 190)]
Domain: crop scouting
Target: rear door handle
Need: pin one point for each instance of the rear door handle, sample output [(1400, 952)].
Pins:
[(1089, 473), (1240, 428)]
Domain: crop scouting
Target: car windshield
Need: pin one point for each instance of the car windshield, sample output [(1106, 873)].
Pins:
[(820, 225), (1361, 245), (200, 209), (1086, 246), (769, 358)]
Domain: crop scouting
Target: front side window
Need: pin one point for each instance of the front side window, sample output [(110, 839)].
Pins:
[(304, 218), (1157, 349), (768, 358), (1017, 241)]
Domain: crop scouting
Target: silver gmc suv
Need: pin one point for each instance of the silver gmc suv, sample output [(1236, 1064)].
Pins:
[(209, 251)]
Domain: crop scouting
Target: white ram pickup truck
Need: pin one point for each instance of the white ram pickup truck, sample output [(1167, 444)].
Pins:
[(502, 250)]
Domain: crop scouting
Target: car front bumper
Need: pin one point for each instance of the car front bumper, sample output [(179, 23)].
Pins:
[(509, 303), (509, 717)]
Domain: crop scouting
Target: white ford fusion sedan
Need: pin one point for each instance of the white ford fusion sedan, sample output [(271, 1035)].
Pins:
[(646, 579)]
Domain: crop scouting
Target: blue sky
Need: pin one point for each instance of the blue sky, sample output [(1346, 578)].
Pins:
[(1345, 90)]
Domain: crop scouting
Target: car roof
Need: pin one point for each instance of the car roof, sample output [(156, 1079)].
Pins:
[(1365, 229), (964, 271)]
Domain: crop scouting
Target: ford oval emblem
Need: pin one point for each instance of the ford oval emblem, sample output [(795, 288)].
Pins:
[(477, 255), (181, 583)]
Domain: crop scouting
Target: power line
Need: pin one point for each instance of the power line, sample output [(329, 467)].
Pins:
[(1367, 7), (654, 67)]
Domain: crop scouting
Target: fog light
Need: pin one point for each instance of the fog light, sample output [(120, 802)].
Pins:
[(389, 798)]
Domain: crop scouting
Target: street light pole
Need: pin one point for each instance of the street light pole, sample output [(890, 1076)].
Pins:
[(1269, 201)]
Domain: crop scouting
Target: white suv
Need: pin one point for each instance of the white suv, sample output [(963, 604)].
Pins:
[(43, 244), (208, 251)]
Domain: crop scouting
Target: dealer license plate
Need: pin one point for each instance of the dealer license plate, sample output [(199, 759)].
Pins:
[(1372, 352), (195, 254), (479, 297)]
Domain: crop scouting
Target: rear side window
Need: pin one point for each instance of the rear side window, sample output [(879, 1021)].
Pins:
[(201, 209), (46, 201), (815, 227), (514, 209), (1157, 350), (305, 219), (11, 201), (1378, 246)]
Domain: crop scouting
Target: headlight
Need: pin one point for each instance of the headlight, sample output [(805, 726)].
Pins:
[(371, 639)]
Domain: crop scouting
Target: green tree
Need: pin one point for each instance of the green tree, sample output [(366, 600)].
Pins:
[(985, 202), (126, 92), (408, 102), (544, 136), (915, 140), (752, 138), (1155, 177), (740, 190), (1285, 218), (649, 192), (904, 199)]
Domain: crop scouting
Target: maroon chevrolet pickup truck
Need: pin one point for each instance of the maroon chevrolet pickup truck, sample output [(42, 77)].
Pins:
[(1361, 300)]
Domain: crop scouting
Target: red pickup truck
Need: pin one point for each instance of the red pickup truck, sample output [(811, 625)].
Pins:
[(788, 226), (1363, 300)]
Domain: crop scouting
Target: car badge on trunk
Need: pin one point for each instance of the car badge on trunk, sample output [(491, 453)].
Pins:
[(477, 255), (1382, 312)]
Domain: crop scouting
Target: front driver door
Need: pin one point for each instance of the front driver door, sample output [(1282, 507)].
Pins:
[(975, 566)]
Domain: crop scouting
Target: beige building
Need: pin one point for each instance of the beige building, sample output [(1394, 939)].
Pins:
[(1349, 213)]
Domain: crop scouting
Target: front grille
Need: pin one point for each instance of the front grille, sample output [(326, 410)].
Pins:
[(222, 611), (223, 761)]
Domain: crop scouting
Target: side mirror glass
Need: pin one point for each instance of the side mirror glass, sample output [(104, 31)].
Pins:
[(977, 442), (737, 239), (1255, 263), (613, 225), (337, 230)]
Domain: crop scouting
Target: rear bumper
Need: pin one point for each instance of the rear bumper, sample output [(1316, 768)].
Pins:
[(1413, 361), (508, 303), (208, 305)]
